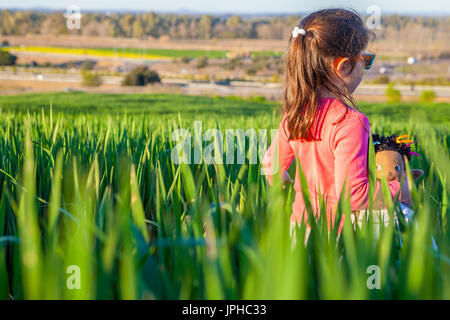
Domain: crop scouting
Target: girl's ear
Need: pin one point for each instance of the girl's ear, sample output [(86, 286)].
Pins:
[(342, 66)]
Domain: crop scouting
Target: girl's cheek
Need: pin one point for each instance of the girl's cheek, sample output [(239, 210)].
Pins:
[(355, 78), (359, 74), (360, 69)]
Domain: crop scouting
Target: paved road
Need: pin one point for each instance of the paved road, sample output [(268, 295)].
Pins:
[(234, 87)]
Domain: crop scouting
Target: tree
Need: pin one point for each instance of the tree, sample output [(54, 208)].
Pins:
[(205, 27), (193, 29), (202, 62), (54, 24), (392, 94), (91, 29), (235, 27), (141, 76), (7, 59), (185, 59), (151, 22), (427, 96), (138, 29), (7, 22), (126, 24), (91, 79), (88, 65)]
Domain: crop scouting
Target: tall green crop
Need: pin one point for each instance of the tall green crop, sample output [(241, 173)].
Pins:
[(93, 207)]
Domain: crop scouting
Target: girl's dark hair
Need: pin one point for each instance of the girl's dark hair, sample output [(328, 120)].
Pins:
[(330, 33), (390, 144)]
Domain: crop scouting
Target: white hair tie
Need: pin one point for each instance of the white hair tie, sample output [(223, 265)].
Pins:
[(298, 31)]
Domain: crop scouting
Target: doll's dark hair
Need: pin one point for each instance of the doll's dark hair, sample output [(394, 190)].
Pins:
[(382, 143)]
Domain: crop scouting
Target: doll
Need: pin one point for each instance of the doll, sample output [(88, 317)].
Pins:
[(391, 155)]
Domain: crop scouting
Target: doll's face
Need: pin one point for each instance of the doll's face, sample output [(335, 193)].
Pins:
[(391, 163)]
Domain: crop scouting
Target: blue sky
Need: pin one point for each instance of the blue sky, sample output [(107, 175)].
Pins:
[(240, 6)]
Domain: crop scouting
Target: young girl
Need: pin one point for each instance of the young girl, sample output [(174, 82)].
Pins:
[(325, 63)]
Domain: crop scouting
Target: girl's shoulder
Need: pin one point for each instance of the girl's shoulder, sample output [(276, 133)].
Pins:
[(341, 113)]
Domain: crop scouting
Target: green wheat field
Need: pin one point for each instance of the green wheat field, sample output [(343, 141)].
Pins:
[(87, 180), (138, 53)]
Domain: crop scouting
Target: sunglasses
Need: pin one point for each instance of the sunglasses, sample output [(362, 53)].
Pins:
[(367, 57)]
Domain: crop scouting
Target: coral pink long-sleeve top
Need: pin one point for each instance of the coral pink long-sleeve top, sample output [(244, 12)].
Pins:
[(341, 152)]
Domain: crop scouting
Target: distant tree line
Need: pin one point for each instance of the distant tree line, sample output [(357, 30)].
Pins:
[(179, 26)]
